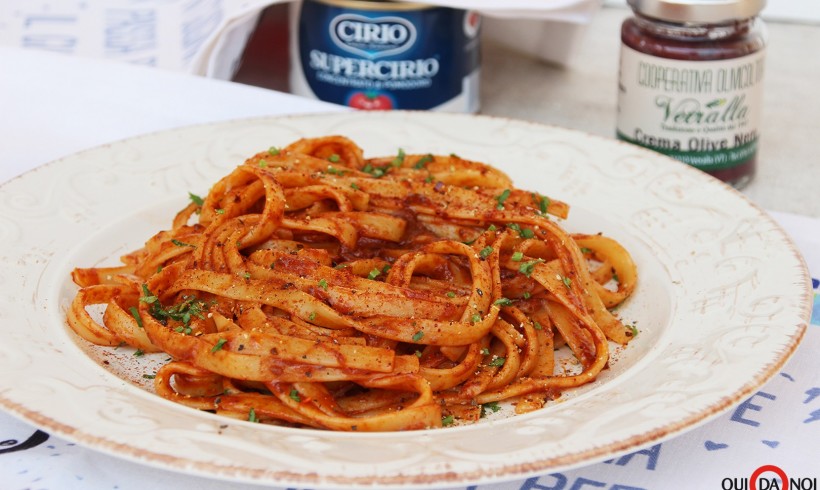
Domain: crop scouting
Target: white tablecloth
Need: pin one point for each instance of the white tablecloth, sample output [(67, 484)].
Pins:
[(51, 106)]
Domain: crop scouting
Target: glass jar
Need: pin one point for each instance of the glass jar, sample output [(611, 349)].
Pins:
[(690, 82)]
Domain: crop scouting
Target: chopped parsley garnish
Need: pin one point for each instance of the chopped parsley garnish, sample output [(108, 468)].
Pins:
[(418, 336), (220, 211), (489, 407), (527, 267), (448, 420), (567, 281), (498, 361), (485, 252), (335, 171), (491, 228), (428, 179), (190, 307), (136, 314), (263, 163), (181, 244), (246, 275), (323, 284), (354, 186), (537, 326), (476, 318), (139, 353), (252, 415), (485, 352), (273, 151), (312, 316), (333, 158), (526, 295), (418, 353), (149, 376), (633, 330), (503, 302), (294, 395), (341, 266), (423, 161), (451, 294), (527, 233), (542, 202), (376, 172), (517, 256), (585, 250), (374, 274), (196, 199), (501, 198), (399, 159), (218, 345), (615, 277)]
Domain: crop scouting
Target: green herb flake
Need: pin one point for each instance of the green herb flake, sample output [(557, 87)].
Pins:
[(136, 314), (615, 277), (354, 186), (517, 256), (246, 275), (181, 244), (489, 407), (312, 316), (220, 211), (451, 294), (633, 330), (501, 198), (333, 158), (528, 267), (218, 345), (491, 228), (323, 284), (485, 352), (418, 336), (374, 274), (527, 233), (542, 202), (399, 159), (273, 151), (418, 354), (423, 161), (139, 353), (341, 266), (428, 179), (252, 415), (475, 318), (485, 252), (196, 199), (294, 395), (190, 307), (537, 326), (567, 281), (585, 250), (498, 361), (526, 295), (447, 421), (263, 163), (503, 302), (149, 376)]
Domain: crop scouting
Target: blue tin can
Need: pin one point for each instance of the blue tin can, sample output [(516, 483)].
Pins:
[(379, 55)]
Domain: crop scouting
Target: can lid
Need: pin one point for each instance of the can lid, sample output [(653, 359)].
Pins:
[(701, 11)]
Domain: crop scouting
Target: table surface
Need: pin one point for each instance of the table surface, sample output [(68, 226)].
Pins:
[(582, 95)]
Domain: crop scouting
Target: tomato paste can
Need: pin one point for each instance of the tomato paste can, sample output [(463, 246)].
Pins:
[(380, 55)]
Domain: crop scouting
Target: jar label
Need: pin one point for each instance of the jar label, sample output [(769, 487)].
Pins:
[(704, 113)]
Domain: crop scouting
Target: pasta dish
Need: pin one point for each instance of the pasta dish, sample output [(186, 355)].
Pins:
[(314, 287)]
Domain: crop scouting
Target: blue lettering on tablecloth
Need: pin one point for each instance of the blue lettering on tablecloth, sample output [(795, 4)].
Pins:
[(714, 446), (652, 454), (562, 482), (130, 30), (812, 393), (747, 405), (49, 40)]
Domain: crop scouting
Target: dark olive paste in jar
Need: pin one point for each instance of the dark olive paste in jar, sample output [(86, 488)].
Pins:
[(690, 83)]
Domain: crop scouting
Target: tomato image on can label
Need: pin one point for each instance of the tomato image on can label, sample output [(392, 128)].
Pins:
[(374, 56)]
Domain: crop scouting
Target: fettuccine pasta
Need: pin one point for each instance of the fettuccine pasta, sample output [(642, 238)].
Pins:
[(313, 287)]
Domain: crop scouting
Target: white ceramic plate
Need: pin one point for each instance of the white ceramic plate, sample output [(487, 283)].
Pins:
[(723, 301)]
